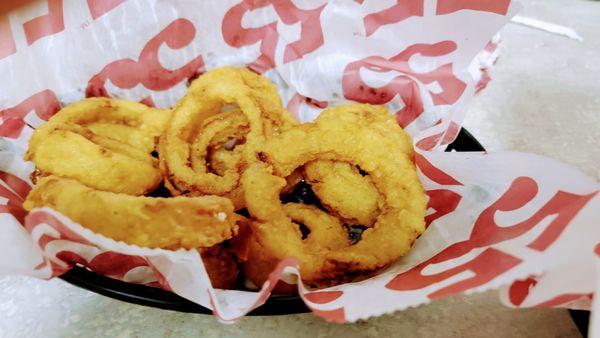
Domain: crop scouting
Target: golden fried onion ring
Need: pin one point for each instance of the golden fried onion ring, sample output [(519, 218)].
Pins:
[(337, 136), (168, 223), (340, 186), (225, 103), (325, 233), (103, 143)]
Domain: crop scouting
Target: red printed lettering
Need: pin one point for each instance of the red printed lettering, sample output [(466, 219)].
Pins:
[(519, 290), (323, 297), (47, 24), (491, 46), (486, 266), (36, 218), (20, 187), (70, 258), (484, 81), (564, 299), (492, 6), (7, 42), (44, 104), (128, 73), (101, 7), (298, 100), (293, 105), (311, 34), (148, 101), (434, 173), (405, 85), (486, 232), (443, 201), (447, 137), (401, 11), (451, 133), (14, 190), (565, 206), (114, 264)]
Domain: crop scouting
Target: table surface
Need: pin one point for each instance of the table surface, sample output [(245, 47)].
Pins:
[(544, 99)]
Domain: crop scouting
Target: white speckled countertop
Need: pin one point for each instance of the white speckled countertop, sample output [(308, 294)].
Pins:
[(545, 99)]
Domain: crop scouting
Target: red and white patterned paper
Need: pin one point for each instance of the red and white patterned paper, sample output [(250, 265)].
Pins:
[(519, 222)]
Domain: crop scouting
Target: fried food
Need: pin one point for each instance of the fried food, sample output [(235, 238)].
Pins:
[(377, 118), (216, 130), (341, 194), (103, 143), (168, 223), (322, 231), (293, 180), (319, 231), (344, 191), (339, 138), (221, 266), (340, 186)]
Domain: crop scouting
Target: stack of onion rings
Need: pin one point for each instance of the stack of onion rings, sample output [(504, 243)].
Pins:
[(340, 194)]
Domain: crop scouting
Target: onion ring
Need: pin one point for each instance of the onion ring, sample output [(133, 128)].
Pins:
[(344, 191), (293, 180), (168, 223), (325, 233), (337, 138), (341, 188), (77, 143), (223, 104)]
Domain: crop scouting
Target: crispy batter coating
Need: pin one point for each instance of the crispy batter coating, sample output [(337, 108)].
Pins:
[(223, 105), (227, 145), (293, 180), (103, 143), (342, 189), (391, 170), (376, 118), (168, 223), (324, 233), (214, 133)]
